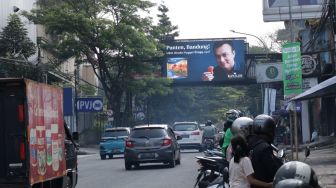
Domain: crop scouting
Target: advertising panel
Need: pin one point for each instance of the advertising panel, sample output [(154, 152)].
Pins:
[(45, 132), (278, 10), (292, 69), (205, 60), (268, 72)]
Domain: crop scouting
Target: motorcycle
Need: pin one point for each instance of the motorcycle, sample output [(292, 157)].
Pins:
[(209, 143), (213, 171)]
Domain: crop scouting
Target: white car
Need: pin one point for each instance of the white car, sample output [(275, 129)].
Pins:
[(191, 135)]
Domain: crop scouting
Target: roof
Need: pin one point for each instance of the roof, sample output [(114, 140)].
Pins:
[(117, 128), (164, 126), (326, 88)]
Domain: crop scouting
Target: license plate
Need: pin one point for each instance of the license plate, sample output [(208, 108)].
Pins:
[(185, 136), (146, 155)]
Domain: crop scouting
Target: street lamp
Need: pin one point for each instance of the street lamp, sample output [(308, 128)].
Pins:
[(262, 42), (266, 51)]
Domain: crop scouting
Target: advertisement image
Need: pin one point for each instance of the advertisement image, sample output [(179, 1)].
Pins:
[(205, 60)]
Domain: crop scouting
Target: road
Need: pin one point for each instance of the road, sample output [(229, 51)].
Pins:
[(94, 172)]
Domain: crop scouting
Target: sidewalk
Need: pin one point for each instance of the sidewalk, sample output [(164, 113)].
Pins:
[(322, 159), (87, 150)]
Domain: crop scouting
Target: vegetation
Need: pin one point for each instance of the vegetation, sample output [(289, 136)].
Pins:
[(117, 38), (15, 49)]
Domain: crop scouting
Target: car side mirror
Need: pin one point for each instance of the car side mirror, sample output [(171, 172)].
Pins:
[(281, 153), (178, 137), (75, 136)]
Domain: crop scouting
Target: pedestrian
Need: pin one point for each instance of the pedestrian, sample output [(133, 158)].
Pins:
[(241, 173), (264, 162)]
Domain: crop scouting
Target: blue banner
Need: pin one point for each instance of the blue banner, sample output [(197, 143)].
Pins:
[(67, 102), (89, 104)]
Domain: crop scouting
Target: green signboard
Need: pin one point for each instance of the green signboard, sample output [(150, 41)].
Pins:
[(292, 71)]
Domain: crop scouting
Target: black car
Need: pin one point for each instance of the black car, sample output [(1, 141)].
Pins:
[(152, 144)]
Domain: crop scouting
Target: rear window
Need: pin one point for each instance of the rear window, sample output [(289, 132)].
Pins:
[(115, 133), (185, 127), (148, 133)]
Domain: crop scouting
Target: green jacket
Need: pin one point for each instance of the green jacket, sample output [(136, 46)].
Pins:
[(227, 140)]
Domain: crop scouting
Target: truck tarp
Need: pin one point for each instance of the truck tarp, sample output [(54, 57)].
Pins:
[(45, 132)]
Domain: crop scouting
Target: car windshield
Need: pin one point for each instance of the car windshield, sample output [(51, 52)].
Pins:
[(148, 133), (115, 133), (185, 127)]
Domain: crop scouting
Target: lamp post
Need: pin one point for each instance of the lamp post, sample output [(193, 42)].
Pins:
[(262, 42), (266, 52)]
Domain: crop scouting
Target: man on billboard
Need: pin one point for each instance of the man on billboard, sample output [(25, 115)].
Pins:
[(226, 67)]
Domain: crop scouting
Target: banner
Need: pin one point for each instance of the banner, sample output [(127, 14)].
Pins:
[(205, 60), (292, 70)]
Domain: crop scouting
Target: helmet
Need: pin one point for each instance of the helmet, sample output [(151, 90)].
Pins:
[(208, 123), (298, 171), (292, 183), (232, 115), (242, 125), (264, 124)]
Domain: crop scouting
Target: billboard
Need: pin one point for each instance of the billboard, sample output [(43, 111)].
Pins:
[(278, 10), (205, 60), (268, 72)]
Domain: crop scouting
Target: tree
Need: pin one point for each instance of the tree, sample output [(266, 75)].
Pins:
[(113, 37), (14, 40), (15, 49)]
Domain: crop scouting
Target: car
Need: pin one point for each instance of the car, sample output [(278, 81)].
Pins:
[(191, 134), (153, 143), (113, 141)]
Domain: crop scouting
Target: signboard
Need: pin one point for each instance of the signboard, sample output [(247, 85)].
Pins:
[(205, 60), (89, 104), (292, 70), (268, 72), (45, 132), (278, 10), (67, 101)]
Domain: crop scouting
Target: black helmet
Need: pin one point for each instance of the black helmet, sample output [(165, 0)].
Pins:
[(292, 183), (298, 171), (208, 123), (232, 115), (264, 124), (243, 126)]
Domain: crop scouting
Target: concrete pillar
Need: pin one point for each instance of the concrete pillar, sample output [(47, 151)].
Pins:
[(305, 122)]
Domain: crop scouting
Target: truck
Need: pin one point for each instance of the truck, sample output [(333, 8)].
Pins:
[(37, 150)]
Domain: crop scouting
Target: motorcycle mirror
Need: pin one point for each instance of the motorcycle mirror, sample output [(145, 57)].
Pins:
[(281, 153)]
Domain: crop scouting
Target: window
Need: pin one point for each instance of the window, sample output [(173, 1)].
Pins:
[(115, 133), (149, 133), (185, 127)]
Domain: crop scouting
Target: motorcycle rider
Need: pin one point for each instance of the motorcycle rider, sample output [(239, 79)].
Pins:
[(209, 132), (295, 174), (264, 162), (231, 115)]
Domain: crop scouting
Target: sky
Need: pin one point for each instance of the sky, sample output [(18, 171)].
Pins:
[(215, 18)]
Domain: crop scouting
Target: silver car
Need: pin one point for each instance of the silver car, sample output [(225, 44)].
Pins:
[(152, 144)]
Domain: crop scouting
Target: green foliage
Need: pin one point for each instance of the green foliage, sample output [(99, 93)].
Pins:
[(113, 37), (14, 42), (201, 103)]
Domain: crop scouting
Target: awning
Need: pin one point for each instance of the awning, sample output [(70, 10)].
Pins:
[(326, 88)]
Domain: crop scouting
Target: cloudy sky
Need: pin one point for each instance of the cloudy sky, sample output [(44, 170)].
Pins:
[(215, 18)]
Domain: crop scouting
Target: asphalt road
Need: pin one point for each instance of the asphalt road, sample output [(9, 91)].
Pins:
[(111, 173)]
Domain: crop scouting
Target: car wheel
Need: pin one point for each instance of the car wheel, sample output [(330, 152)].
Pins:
[(172, 163), (110, 156), (136, 165), (128, 165), (103, 157)]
